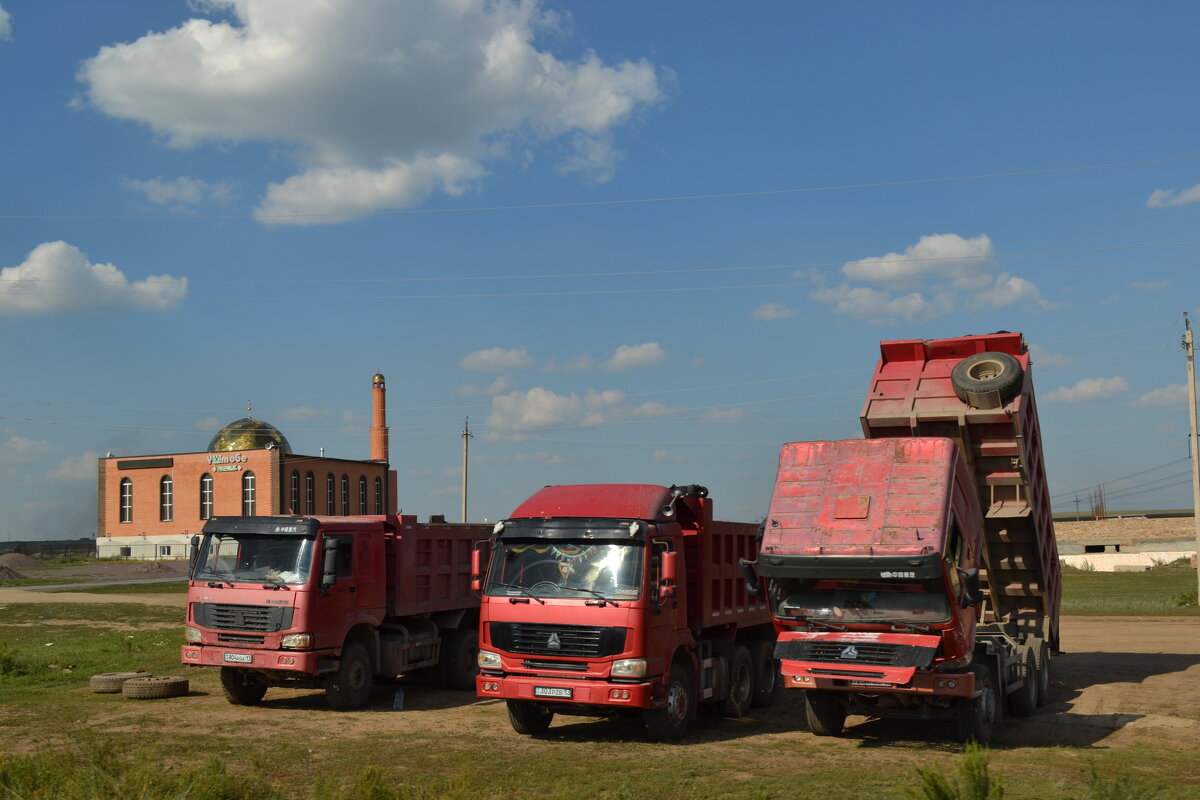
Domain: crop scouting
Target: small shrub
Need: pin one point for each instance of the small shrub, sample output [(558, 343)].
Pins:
[(973, 781), (1184, 599)]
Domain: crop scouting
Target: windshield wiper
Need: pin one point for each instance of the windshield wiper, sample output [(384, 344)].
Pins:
[(275, 584), (603, 600), (910, 626), (829, 626), (522, 590)]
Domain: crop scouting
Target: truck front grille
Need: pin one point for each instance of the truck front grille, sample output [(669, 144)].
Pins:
[(851, 654), (255, 619), (575, 641)]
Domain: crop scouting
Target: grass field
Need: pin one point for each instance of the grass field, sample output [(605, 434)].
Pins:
[(60, 741)]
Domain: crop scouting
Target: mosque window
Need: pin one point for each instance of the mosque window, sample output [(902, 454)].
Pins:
[(330, 496), (166, 499), (295, 506), (206, 496), (345, 496), (248, 492), (378, 496), (126, 500), (310, 501), (362, 495)]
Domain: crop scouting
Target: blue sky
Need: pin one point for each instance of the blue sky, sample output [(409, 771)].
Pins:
[(633, 242)]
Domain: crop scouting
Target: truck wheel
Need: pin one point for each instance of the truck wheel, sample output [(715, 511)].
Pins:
[(741, 683), (976, 716), (350, 687), (670, 723), (459, 662), (987, 372), (239, 691), (154, 687), (825, 712), (765, 669), (528, 718), (1043, 676), (1024, 701)]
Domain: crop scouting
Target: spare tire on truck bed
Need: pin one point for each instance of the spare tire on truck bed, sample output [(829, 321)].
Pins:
[(977, 376)]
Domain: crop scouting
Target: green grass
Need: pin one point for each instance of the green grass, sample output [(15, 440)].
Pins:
[(169, 587), (1161, 591)]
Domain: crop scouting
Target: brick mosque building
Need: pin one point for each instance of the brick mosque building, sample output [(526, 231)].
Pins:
[(150, 506)]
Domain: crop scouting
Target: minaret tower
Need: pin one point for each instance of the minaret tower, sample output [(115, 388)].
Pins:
[(379, 431)]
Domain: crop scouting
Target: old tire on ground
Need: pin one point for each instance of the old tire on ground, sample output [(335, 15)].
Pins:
[(975, 717), (529, 718), (350, 686), (670, 723), (238, 688), (111, 682), (1024, 701), (1043, 663), (741, 683), (154, 687), (765, 669), (987, 372), (825, 713), (459, 661)]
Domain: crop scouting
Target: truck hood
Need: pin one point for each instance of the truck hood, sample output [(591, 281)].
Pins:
[(856, 655)]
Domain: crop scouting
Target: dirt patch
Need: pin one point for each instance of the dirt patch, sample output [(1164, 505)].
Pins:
[(9, 574), (1126, 530), (19, 561)]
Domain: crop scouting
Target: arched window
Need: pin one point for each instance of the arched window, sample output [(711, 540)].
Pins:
[(294, 508), (362, 494), (206, 496), (345, 496), (126, 500), (166, 499), (248, 491), (330, 496), (310, 501), (378, 495)]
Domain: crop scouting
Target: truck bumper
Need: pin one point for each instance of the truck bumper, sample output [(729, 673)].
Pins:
[(801, 675), (557, 690), (302, 661)]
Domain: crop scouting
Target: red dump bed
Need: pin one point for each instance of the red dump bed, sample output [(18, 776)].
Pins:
[(429, 565)]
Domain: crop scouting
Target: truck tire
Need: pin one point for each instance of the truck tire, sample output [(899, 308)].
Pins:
[(741, 683), (530, 719), (350, 687), (459, 662), (1043, 676), (825, 712), (767, 680), (1024, 701), (239, 691), (987, 372), (154, 687), (670, 723), (111, 682), (976, 717)]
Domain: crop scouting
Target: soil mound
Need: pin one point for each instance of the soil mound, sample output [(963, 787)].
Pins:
[(152, 568), (9, 574), (20, 561)]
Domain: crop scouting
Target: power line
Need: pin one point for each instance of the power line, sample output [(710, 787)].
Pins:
[(1122, 478)]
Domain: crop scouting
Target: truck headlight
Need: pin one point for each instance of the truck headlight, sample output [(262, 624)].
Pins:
[(629, 668), (191, 634), (488, 660), (296, 641)]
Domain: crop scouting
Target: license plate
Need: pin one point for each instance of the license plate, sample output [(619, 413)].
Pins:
[(239, 658), (869, 683), (552, 691)]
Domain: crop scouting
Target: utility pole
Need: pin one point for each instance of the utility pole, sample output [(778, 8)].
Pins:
[(466, 437), (1195, 446), (1077, 508)]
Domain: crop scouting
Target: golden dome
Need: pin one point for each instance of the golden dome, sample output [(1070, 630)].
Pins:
[(248, 434)]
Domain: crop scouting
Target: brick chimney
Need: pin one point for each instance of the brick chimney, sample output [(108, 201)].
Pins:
[(379, 431)]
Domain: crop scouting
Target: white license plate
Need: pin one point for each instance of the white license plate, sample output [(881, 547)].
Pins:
[(869, 683), (239, 658), (552, 691)]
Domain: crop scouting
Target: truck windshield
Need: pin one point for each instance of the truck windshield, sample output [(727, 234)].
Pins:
[(254, 558), (849, 601), (566, 569)]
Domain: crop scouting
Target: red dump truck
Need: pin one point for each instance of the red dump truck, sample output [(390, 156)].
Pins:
[(331, 603), (624, 599), (914, 573)]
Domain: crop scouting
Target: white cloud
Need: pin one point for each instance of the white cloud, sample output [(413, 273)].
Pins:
[(652, 409), (538, 408), (1173, 394), (302, 414), (1162, 198), (19, 450), (57, 277), (768, 311), (5, 25), (630, 356), (666, 457), (501, 385), (76, 468), (1088, 390), (941, 274), (180, 193), (579, 363), (208, 424), (1150, 286), (728, 416), (495, 359), (382, 103), (1041, 357)]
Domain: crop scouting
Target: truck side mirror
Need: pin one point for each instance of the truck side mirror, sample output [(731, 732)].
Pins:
[(329, 567), (476, 570), (748, 572), (972, 593), (195, 554), (668, 573)]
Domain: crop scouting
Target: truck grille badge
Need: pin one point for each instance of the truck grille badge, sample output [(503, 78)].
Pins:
[(553, 642), (849, 652)]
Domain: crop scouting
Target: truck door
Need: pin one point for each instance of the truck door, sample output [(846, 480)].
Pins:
[(661, 626), (334, 604)]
